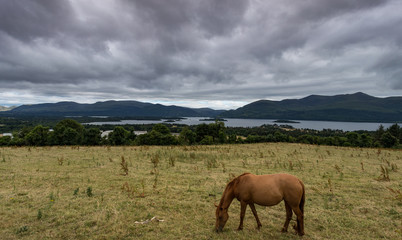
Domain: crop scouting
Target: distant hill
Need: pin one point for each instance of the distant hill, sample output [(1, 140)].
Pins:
[(349, 107), (2, 108), (358, 107), (111, 108)]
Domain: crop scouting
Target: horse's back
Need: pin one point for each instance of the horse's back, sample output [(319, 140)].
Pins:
[(271, 189)]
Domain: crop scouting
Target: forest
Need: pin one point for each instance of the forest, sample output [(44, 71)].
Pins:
[(70, 132)]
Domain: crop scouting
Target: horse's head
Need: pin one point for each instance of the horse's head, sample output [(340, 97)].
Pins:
[(222, 217)]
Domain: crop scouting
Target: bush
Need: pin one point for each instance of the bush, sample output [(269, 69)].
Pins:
[(388, 140)]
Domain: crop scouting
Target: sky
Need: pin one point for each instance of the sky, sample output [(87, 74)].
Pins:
[(220, 54)]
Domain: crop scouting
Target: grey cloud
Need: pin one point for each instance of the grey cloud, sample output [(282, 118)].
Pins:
[(183, 49), (388, 69), (26, 19)]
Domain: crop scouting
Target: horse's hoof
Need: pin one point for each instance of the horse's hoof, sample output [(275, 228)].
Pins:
[(239, 229), (284, 230)]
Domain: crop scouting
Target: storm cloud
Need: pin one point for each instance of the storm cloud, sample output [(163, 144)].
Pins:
[(220, 54)]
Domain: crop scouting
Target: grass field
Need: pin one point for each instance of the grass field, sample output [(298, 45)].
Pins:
[(101, 192)]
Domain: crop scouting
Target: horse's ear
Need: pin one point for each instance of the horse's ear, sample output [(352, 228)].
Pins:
[(215, 205)]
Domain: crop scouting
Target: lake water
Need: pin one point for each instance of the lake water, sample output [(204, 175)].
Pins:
[(235, 122)]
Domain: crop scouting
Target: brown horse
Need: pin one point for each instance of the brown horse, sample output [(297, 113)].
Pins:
[(265, 190)]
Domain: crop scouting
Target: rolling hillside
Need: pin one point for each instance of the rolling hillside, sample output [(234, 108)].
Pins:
[(112, 108), (348, 107)]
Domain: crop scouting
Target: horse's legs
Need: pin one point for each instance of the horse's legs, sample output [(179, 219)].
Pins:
[(243, 207), (255, 215), (289, 214), (300, 223)]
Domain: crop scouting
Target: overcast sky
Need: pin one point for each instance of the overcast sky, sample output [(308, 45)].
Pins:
[(212, 53)]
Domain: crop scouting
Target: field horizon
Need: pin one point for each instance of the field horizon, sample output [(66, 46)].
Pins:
[(155, 192)]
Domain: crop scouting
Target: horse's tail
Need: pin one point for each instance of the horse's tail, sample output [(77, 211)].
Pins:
[(303, 198)]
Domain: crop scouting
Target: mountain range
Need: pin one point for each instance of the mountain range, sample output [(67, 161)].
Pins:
[(112, 109), (346, 107)]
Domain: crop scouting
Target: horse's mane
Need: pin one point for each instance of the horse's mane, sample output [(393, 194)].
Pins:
[(230, 185)]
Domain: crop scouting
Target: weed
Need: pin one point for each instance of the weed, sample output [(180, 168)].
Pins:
[(22, 230), (172, 161), (290, 165), (397, 194), (267, 163), (143, 188), (155, 163), (361, 163), (60, 161), (394, 167), (300, 164), (211, 163), (52, 197), (384, 174), (76, 191), (330, 185), (39, 215), (124, 166), (231, 177), (89, 192), (155, 181), (338, 169), (244, 162), (192, 155), (130, 190), (392, 213), (223, 167)]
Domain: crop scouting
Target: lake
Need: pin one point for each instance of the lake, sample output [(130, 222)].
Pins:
[(235, 122)]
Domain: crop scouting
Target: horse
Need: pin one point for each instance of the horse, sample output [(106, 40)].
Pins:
[(264, 190)]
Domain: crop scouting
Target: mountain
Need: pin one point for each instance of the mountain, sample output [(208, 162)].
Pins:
[(2, 108), (111, 108), (356, 107), (348, 107)]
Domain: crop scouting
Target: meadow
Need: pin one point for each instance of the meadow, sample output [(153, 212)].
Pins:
[(113, 192)]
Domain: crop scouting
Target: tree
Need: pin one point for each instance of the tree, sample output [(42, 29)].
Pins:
[(5, 140), (395, 131), (118, 136), (207, 140), (92, 137), (68, 132), (163, 129), (71, 137), (201, 131), (366, 140), (187, 137), (39, 136), (378, 134), (156, 138), (215, 130), (353, 139), (388, 140), (232, 139)]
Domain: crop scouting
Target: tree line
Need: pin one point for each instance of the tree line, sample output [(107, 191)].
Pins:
[(69, 132)]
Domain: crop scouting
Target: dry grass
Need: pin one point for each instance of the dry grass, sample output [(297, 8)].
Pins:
[(81, 193)]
